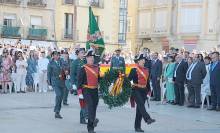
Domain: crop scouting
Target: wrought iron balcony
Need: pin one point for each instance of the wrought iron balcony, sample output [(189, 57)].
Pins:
[(191, 1), (70, 34), (38, 3), (37, 33), (97, 3), (16, 2), (10, 31), (69, 2)]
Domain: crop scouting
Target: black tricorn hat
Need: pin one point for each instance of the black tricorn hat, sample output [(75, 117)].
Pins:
[(78, 50), (139, 57), (119, 50), (55, 53), (90, 52)]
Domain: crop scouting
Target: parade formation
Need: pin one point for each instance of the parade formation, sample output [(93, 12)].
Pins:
[(176, 77)]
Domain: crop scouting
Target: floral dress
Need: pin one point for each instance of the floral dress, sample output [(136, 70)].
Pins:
[(5, 75)]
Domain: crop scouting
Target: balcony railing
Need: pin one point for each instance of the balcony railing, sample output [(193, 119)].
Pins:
[(97, 3), (122, 38), (37, 33), (144, 32), (69, 34), (160, 30), (10, 31), (69, 2), (38, 3), (191, 1), (145, 3), (162, 2), (16, 2)]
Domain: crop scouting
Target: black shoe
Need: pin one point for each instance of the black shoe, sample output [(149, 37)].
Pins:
[(91, 131), (191, 106), (83, 122), (218, 109), (196, 106), (153, 99), (212, 108), (139, 130), (158, 99), (175, 103), (96, 121), (150, 121), (58, 116), (65, 104)]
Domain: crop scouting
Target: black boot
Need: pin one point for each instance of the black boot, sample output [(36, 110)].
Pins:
[(150, 121), (96, 121), (212, 108), (139, 130), (91, 131), (65, 104), (58, 116), (82, 117)]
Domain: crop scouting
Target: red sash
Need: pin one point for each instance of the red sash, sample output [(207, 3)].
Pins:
[(92, 76), (143, 75)]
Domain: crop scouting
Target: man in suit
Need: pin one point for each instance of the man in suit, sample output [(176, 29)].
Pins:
[(195, 75), (57, 80), (156, 72), (179, 80), (215, 82), (147, 64), (117, 61)]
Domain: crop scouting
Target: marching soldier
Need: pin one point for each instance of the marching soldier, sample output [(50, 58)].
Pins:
[(56, 78), (140, 78), (66, 68), (88, 82), (74, 69)]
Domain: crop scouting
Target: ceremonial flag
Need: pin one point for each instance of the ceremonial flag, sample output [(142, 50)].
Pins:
[(94, 36)]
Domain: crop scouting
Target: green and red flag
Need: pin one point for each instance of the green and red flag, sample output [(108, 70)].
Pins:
[(94, 36)]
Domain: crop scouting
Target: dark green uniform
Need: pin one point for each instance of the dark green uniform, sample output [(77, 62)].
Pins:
[(54, 73), (75, 67), (66, 67)]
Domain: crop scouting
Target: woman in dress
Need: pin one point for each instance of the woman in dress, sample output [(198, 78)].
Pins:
[(21, 72), (31, 70), (168, 75), (6, 71), (205, 87)]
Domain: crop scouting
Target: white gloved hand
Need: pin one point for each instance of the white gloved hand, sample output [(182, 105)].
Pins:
[(50, 87), (74, 87), (81, 96)]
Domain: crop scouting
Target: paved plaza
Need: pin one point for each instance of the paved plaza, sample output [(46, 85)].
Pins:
[(33, 113)]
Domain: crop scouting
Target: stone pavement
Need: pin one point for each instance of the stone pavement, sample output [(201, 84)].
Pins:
[(33, 113)]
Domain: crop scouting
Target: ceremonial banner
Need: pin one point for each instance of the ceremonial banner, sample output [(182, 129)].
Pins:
[(94, 36)]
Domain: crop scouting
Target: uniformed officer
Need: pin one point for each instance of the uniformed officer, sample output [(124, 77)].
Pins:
[(117, 61), (74, 70), (56, 78), (88, 81), (66, 68), (140, 78), (75, 67)]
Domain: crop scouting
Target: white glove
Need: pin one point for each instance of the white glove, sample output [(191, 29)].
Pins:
[(81, 96), (50, 87), (74, 87), (68, 77)]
